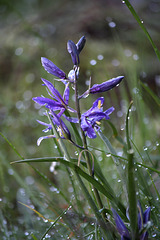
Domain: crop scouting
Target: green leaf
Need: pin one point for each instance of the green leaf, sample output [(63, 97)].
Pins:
[(132, 199), (94, 182)]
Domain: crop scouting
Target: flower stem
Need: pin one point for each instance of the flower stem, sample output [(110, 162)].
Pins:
[(84, 140)]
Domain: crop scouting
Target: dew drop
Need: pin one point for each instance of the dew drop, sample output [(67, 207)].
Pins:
[(100, 57), (119, 180), (93, 62), (112, 24), (108, 155)]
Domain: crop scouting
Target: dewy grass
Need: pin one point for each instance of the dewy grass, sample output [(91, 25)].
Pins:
[(100, 204)]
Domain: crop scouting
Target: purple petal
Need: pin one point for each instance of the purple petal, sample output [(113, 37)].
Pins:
[(72, 49), (71, 119), (80, 44), (95, 104), (51, 68), (66, 94), (49, 127), (91, 133), (62, 126), (49, 103), (109, 110), (54, 91), (85, 124), (123, 231), (105, 86), (146, 215), (97, 116)]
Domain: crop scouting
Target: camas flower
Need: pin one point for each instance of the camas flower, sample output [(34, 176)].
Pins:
[(57, 103), (90, 120), (103, 87), (75, 49), (143, 219)]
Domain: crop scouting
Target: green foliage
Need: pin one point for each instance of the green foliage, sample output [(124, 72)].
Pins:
[(125, 153)]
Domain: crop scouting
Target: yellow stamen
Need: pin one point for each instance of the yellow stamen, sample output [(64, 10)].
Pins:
[(99, 104), (98, 123)]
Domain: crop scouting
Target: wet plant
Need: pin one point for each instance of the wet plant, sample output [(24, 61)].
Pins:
[(90, 204)]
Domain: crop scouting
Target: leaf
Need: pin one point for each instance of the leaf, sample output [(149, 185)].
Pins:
[(78, 170)]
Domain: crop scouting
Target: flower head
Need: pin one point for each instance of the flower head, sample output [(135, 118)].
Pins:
[(103, 87), (143, 219), (90, 120)]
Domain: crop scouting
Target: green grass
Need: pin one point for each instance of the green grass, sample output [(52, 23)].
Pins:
[(66, 199)]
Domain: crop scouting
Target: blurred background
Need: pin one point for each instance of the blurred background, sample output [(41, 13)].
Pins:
[(30, 29)]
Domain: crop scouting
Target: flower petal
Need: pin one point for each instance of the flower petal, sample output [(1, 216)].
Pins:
[(80, 44), (123, 231), (105, 86), (54, 91), (72, 49), (44, 137), (49, 103), (51, 68)]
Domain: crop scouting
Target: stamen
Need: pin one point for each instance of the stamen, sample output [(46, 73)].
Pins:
[(99, 104)]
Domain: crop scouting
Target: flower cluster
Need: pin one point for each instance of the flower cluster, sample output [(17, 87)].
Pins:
[(57, 105), (143, 219)]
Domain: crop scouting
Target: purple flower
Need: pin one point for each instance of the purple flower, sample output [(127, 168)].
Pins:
[(143, 219), (57, 103), (90, 120), (75, 49), (51, 68), (60, 125), (105, 86)]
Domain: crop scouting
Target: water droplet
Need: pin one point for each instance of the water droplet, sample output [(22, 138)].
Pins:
[(141, 21), (100, 57), (119, 114), (93, 62), (108, 155), (119, 180), (76, 153), (10, 171), (145, 148), (29, 180), (127, 52), (135, 57), (123, 1), (112, 24), (115, 62), (18, 51)]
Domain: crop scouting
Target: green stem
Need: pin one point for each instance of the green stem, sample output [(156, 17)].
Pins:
[(99, 201), (132, 199)]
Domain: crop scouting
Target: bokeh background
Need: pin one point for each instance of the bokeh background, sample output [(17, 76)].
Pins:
[(115, 46)]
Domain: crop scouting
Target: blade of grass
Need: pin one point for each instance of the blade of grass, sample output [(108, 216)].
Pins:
[(89, 178), (132, 199), (141, 24)]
